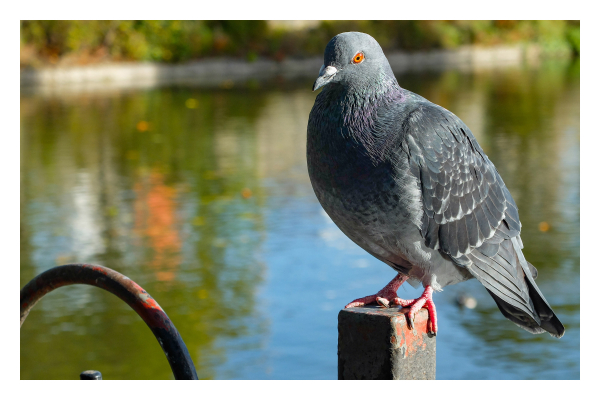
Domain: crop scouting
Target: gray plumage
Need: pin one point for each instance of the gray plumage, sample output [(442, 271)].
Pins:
[(407, 181)]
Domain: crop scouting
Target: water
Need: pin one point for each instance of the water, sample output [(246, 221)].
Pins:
[(206, 203)]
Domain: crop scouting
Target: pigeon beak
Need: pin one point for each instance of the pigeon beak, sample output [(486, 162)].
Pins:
[(325, 75)]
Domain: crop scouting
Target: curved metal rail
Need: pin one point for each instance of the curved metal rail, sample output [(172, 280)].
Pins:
[(128, 291)]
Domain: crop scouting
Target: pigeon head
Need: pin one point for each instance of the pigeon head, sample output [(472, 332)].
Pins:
[(356, 60)]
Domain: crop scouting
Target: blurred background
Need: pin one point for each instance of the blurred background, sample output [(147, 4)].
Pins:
[(200, 194), (86, 42)]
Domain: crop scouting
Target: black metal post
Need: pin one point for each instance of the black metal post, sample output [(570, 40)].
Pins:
[(128, 291), (90, 375)]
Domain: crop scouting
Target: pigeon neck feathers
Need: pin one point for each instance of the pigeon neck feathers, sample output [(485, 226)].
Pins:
[(366, 114)]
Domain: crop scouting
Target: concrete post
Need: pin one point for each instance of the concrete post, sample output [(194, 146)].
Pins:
[(376, 343)]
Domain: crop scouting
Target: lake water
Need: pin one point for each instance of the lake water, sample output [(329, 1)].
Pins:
[(202, 197)]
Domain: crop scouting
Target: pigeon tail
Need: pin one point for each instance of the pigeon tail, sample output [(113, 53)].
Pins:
[(509, 279), (549, 322)]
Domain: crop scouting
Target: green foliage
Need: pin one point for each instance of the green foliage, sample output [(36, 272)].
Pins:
[(573, 35), (83, 42), (427, 35)]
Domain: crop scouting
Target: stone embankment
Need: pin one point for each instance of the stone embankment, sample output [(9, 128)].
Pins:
[(229, 72)]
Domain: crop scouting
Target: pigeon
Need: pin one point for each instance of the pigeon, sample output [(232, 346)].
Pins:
[(407, 181)]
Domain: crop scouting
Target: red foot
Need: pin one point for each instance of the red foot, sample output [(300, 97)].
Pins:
[(384, 296), (415, 305), (388, 295)]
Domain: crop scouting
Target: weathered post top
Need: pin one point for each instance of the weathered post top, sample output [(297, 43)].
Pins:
[(376, 343)]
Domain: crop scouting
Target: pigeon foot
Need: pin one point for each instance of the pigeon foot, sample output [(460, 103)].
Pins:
[(425, 301), (387, 296), (384, 296)]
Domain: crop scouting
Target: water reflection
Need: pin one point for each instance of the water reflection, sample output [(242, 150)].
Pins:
[(175, 205), (202, 197)]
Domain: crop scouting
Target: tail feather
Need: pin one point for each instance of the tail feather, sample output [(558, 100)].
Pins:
[(516, 294), (516, 315), (549, 320)]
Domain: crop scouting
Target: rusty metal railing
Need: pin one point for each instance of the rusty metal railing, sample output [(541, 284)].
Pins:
[(127, 290)]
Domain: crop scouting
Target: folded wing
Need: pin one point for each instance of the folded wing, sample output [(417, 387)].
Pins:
[(470, 216)]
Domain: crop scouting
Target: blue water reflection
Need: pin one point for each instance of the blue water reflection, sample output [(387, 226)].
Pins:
[(208, 206)]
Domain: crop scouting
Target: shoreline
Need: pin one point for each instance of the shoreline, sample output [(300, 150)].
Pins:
[(226, 73)]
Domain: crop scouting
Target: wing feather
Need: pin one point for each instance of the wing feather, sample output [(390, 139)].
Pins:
[(470, 216)]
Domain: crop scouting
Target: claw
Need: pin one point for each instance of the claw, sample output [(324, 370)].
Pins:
[(411, 323), (383, 302), (388, 295)]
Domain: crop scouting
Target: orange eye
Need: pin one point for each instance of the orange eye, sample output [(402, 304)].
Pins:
[(358, 58)]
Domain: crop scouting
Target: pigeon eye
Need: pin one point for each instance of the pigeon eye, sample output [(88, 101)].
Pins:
[(358, 58)]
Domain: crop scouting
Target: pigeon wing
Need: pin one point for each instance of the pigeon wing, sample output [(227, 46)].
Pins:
[(470, 216), (464, 198)]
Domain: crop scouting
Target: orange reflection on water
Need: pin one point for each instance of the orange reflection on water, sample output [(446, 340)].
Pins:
[(155, 220)]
